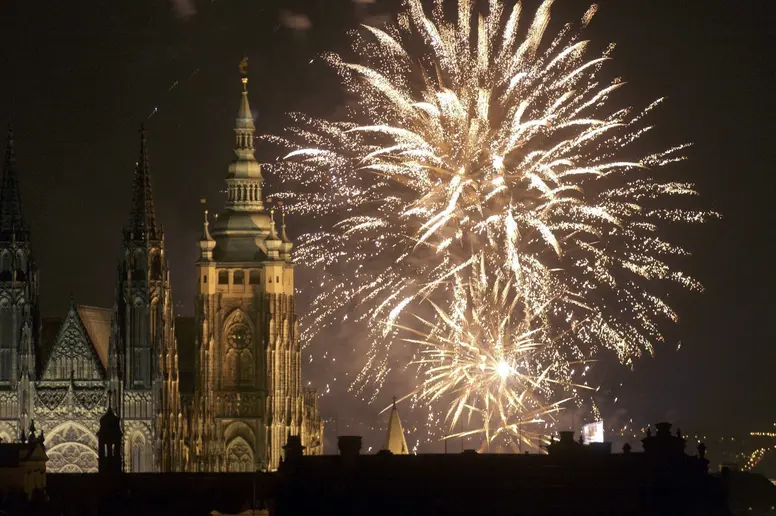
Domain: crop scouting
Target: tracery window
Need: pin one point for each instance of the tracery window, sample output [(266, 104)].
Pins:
[(239, 456), (238, 360), (7, 343), (71, 448), (138, 454)]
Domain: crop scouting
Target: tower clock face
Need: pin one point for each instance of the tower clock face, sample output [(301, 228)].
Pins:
[(239, 336)]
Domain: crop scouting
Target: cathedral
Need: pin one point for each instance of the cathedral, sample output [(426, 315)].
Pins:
[(218, 392)]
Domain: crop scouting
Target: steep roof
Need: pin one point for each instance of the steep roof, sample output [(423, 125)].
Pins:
[(92, 322), (97, 322), (394, 439)]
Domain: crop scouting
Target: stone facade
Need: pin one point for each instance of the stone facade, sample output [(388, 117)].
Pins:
[(249, 393), (246, 395)]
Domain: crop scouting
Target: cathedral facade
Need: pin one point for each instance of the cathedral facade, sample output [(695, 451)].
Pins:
[(222, 394)]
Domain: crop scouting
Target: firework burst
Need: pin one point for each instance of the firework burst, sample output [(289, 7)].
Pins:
[(478, 148), (483, 360)]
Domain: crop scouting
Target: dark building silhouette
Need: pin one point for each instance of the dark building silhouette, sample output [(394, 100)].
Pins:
[(570, 479), (109, 437)]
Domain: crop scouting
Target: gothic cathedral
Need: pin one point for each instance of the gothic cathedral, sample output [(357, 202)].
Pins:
[(220, 392)]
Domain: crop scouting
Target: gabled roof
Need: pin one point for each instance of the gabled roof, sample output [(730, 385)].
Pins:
[(92, 326), (97, 322)]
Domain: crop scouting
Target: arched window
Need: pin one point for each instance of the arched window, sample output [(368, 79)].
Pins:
[(204, 278), (238, 367), (223, 277), (255, 277), (139, 264), (156, 267), (138, 454), (231, 366), (21, 265), (238, 278), (239, 456), (6, 266), (246, 368), (141, 365), (7, 341)]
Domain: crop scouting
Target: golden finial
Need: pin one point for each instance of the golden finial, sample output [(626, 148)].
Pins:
[(244, 72)]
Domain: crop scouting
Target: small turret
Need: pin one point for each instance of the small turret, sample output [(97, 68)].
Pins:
[(273, 242), (206, 242), (285, 249), (109, 437)]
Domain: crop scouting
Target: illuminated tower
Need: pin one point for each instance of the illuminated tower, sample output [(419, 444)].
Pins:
[(19, 313), (394, 438), (248, 348), (143, 362)]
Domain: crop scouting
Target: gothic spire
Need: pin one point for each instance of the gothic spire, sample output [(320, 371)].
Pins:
[(11, 221), (394, 440), (142, 223)]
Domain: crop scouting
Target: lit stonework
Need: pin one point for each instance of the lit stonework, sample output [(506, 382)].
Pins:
[(59, 373), (249, 394), (236, 395)]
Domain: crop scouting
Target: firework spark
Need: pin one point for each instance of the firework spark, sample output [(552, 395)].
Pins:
[(483, 358), (477, 149)]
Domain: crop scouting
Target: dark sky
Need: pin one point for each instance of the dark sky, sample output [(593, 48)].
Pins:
[(78, 78)]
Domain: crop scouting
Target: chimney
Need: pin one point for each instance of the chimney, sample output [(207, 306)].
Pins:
[(294, 449), (349, 447), (567, 438)]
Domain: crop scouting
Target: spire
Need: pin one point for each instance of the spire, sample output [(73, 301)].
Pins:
[(142, 223), (244, 115), (206, 242), (394, 440), (12, 224), (244, 178)]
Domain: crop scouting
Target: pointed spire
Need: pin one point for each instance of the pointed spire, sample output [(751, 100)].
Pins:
[(206, 242), (244, 180), (283, 235), (244, 115), (273, 234), (12, 226), (394, 440), (206, 232), (142, 223)]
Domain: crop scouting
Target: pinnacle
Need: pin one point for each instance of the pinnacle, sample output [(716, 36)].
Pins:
[(12, 226), (142, 224)]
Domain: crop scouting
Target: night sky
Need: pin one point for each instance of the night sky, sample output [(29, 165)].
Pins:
[(77, 79)]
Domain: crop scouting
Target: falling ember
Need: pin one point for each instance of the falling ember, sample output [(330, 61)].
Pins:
[(479, 152)]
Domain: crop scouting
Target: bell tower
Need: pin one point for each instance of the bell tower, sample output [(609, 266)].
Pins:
[(19, 312), (144, 358), (248, 348)]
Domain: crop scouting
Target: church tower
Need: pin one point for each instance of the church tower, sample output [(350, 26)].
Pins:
[(248, 348), (19, 312), (143, 362)]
